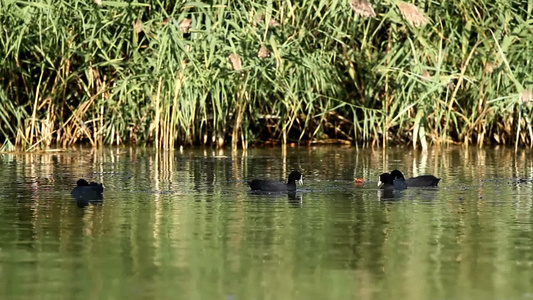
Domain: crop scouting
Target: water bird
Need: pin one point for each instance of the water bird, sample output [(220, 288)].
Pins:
[(85, 191), (389, 181), (275, 186), (418, 181)]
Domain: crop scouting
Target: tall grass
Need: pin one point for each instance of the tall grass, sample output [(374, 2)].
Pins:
[(241, 72)]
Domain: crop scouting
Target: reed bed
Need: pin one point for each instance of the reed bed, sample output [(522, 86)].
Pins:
[(172, 73)]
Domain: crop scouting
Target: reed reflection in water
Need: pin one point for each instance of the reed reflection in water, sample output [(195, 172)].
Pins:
[(183, 224)]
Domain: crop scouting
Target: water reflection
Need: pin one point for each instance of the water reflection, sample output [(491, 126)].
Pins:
[(389, 195), (175, 220), (84, 200), (295, 198)]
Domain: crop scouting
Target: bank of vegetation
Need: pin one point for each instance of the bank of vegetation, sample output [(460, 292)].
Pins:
[(171, 73)]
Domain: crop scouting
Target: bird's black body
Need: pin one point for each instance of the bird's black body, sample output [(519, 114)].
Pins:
[(418, 181), (85, 191), (389, 181), (275, 186)]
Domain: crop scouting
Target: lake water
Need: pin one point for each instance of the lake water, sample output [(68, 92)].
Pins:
[(183, 225)]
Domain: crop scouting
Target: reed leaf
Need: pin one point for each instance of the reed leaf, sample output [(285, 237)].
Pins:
[(172, 73)]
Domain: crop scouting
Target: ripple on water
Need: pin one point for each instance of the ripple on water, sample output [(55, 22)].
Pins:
[(171, 222)]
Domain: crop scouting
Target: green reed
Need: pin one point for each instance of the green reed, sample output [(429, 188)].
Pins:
[(240, 72)]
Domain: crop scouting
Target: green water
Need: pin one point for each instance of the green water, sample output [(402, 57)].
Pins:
[(182, 225)]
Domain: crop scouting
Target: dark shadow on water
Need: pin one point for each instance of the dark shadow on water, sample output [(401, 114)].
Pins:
[(83, 201), (421, 194), (294, 198), (389, 195)]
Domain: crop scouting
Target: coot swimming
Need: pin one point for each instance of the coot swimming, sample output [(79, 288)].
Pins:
[(390, 181), (275, 186), (86, 191), (418, 181)]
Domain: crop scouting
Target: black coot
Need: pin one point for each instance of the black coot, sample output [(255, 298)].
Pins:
[(85, 191), (418, 181), (275, 186), (389, 181), (399, 180)]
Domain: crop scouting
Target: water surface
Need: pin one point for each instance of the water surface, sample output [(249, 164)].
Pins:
[(183, 225)]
